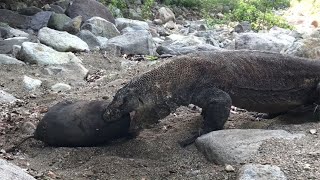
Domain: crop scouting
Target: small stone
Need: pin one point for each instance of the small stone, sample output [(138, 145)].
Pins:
[(229, 168), (105, 97), (307, 167), (193, 172), (33, 96), (60, 87), (261, 172), (6, 97), (164, 128), (31, 84), (51, 175), (313, 131)]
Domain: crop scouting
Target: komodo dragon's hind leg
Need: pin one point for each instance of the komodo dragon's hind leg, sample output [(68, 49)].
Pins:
[(216, 105)]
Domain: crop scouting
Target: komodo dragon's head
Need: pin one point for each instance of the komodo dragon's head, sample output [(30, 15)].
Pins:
[(125, 102)]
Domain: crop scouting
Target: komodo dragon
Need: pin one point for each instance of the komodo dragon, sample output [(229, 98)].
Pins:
[(256, 81)]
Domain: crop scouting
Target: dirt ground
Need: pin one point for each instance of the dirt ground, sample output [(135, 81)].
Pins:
[(155, 153)]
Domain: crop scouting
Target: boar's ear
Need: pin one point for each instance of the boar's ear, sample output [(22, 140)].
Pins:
[(133, 124), (132, 114)]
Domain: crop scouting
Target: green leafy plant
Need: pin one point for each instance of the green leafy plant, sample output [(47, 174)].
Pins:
[(151, 58), (121, 4), (146, 9), (184, 3), (258, 12), (113, 5)]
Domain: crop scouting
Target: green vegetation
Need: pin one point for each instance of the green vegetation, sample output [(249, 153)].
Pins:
[(116, 4), (151, 58), (2, 24), (146, 9), (258, 12), (184, 3), (121, 4)]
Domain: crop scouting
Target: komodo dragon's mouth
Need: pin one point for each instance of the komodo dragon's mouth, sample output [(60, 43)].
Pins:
[(111, 116)]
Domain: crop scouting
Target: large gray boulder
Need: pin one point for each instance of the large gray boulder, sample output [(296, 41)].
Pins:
[(5, 59), (29, 11), (31, 84), (6, 98), (308, 47), (122, 23), (54, 8), (165, 15), (136, 42), (73, 26), (9, 32), (61, 41), (36, 53), (263, 41), (88, 9), (64, 4), (235, 146), (179, 50), (14, 19), (181, 40), (100, 27), (176, 44), (260, 172), (9, 171), (7, 44), (57, 21), (40, 20), (71, 72), (296, 49), (93, 42)]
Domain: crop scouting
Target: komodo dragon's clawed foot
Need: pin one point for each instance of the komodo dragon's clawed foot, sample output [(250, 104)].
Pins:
[(265, 115), (216, 105), (190, 140)]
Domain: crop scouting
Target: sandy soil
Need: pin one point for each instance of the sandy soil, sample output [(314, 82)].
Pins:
[(155, 154)]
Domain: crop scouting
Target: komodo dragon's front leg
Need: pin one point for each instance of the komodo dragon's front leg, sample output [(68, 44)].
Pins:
[(216, 105)]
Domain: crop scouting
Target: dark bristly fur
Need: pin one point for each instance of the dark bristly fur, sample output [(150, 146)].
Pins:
[(78, 123), (257, 81)]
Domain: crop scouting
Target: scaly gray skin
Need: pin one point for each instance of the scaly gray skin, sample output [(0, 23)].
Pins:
[(253, 80)]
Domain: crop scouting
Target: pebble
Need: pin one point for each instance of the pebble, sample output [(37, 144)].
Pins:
[(307, 167), (51, 174), (313, 131), (229, 168)]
